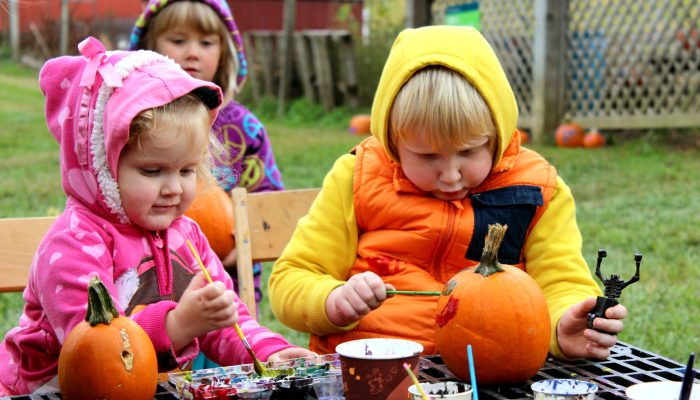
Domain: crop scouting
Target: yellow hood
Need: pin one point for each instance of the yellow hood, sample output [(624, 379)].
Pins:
[(462, 49)]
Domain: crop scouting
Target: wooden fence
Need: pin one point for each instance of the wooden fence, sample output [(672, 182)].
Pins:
[(323, 65), (612, 64)]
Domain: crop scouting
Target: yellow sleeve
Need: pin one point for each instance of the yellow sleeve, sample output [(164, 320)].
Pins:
[(319, 256), (553, 256)]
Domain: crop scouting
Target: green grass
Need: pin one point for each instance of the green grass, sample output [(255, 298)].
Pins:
[(639, 195)]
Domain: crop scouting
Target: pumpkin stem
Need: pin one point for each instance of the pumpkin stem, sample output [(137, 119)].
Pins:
[(489, 258), (100, 308)]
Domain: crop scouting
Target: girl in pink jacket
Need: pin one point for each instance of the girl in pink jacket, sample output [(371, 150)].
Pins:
[(133, 129)]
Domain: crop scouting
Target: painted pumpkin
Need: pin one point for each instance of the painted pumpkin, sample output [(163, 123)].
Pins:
[(593, 139), (360, 124), (107, 356), (212, 209), (569, 135), (501, 311)]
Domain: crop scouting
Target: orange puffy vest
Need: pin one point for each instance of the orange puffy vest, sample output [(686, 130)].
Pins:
[(417, 242)]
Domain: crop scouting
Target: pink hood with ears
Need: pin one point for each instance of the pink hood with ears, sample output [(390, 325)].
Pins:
[(90, 102)]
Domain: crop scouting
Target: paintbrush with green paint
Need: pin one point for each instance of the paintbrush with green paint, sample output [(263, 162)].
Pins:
[(413, 292)]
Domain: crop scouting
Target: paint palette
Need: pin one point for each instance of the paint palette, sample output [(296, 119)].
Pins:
[(300, 378)]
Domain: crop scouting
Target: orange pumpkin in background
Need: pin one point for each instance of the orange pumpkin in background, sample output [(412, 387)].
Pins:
[(107, 356), (212, 209), (501, 311), (569, 134), (524, 137), (360, 124), (593, 139)]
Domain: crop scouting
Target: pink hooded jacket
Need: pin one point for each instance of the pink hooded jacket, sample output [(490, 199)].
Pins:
[(90, 102)]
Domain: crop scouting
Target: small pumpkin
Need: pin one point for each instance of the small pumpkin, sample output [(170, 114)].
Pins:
[(569, 134), (498, 309), (524, 137), (593, 139), (212, 209), (107, 356), (360, 124)]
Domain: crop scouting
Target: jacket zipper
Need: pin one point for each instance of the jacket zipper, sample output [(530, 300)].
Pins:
[(444, 241)]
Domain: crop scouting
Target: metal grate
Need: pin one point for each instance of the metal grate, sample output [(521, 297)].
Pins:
[(626, 366)]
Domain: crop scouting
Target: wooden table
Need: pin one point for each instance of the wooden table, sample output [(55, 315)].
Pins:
[(626, 366)]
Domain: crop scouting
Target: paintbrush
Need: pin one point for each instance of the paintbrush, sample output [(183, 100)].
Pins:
[(413, 292), (257, 365), (688, 378), (417, 384)]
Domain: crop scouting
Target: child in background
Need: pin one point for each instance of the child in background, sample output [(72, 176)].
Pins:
[(134, 135), (409, 208), (203, 38)]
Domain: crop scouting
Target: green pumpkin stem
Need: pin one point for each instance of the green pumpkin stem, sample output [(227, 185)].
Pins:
[(489, 258), (100, 308)]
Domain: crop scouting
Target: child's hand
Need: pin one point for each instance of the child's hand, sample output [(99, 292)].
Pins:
[(292, 352), (202, 308), (361, 294), (577, 341)]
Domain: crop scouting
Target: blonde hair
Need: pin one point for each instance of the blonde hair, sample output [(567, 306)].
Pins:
[(191, 117), (200, 17), (442, 105)]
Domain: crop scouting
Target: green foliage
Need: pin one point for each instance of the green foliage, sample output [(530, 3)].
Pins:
[(638, 195)]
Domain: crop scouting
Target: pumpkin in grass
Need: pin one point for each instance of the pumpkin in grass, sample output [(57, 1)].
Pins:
[(212, 209), (501, 311), (593, 139), (107, 356), (360, 124), (569, 134)]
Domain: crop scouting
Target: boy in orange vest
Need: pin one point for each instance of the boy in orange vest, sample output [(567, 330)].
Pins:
[(407, 204)]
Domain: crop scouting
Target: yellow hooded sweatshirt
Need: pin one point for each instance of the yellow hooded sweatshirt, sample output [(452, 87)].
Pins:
[(369, 217)]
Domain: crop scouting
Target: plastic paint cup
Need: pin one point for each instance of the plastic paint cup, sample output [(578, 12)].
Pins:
[(442, 390), (564, 389)]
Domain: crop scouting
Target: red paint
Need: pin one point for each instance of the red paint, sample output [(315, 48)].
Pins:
[(380, 265), (448, 312)]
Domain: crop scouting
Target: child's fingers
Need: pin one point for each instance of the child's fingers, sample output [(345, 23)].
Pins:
[(212, 291), (617, 312), (198, 281)]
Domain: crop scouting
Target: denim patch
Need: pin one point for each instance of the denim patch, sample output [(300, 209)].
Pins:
[(514, 206)]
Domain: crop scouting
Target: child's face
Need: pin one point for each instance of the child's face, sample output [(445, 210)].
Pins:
[(196, 52), (447, 172), (157, 183)]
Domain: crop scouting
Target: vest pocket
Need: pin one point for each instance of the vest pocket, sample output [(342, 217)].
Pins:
[(514, 206)]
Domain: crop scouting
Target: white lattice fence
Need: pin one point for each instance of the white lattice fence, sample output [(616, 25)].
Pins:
[(629, 63)]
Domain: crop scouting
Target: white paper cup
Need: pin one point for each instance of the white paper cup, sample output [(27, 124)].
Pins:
[(373, 368), (564, 389), (442, 390)]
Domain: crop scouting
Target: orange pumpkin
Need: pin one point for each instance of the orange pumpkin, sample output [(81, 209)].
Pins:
[(569, 135), (212, 209), (524, 137), (593, 139), (501, 311), (107, 356), (360, 124)]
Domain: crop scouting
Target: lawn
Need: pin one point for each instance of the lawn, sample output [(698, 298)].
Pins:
[(638, 195)]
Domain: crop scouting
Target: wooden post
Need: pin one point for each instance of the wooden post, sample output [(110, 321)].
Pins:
[(418, 13), (348, 85), (289, 21), (253, 68), (65, 25), (323, 69), (302, 57), (14, 29), (549, 52)]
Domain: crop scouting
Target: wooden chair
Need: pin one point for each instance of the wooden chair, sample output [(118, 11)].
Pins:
[(264, 223), (19, 239)]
